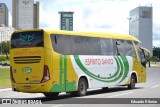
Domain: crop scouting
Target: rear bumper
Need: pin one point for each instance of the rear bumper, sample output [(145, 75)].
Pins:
[(31, 88)]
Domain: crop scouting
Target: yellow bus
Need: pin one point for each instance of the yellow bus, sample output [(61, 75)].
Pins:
[(54, 61)]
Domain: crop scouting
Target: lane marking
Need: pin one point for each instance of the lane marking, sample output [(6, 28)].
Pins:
[(6, 89), (57, 106), (155, 86), (21, 95), (121, 94)]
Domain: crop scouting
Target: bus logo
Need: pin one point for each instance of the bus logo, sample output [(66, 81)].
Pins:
[(26, 70)]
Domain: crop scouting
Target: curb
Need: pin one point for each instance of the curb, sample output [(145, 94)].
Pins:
[(6, 89)]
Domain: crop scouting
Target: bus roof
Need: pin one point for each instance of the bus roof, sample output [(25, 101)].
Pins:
[(89, 34), (95, 34)]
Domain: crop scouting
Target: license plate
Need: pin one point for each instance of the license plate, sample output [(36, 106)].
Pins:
[(27, 87)]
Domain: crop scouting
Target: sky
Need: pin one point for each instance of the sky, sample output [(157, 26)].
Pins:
[(95, 15)]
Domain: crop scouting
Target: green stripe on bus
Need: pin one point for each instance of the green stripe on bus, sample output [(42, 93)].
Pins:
[(76, 57), (121, 69), (117, 72), (62, 76), (63, 85), (121, 72), (126, 65), (63, 69)]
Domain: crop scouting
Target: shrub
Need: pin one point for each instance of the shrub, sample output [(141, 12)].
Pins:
[(2, 58)]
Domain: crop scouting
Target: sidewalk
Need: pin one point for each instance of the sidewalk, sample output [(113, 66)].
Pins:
[(5, 89), (4, 66)]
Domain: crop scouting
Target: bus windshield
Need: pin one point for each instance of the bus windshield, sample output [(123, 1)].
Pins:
[(27, 39)]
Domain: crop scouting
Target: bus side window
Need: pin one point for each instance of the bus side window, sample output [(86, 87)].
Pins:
[(120, 47), (61, 43), (106, 46), (129, 48), (78, 45), (93, 46), (138, 45), (114, 47)]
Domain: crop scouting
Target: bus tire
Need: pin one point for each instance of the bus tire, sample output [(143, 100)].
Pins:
[(104, 88), (82, 87), (51, 94), (132, 82)]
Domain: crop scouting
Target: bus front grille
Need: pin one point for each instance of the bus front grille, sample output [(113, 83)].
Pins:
[(27, 59)]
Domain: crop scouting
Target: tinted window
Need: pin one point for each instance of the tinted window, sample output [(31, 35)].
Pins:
[(137, 44), (78, 45), (120, 47), (27, 39), (106, 46), (93, 46), (61, 43), (129, 49), (114, 47)]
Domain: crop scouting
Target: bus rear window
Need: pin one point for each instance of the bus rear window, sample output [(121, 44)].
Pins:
[(27, 39)]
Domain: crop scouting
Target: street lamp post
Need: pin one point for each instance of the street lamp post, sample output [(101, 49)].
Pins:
[(129, 24)]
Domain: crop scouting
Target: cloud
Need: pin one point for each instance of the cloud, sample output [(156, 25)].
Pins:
[(156, 43), (101, 15), (93, 15), (89, 15)]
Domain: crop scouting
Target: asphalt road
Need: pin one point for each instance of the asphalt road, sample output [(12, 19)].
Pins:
[(150, 89)]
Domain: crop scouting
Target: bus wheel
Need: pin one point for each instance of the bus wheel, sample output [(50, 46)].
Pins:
[(132, 82), (82, 87), (51, 94)]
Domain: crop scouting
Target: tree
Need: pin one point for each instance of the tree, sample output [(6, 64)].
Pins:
[(156, 52), (5, 48), (154, 59), (0, 47)]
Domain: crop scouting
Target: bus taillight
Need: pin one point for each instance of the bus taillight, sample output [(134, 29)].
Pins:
[(11, 75), (46, 75)]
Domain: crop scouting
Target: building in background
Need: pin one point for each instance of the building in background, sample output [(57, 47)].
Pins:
[(3, 14), (66, 20), (36, 15), (5, 33), (25, 14), (140, 25)]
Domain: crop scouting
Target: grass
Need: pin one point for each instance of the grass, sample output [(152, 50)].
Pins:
[(5, 77)]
